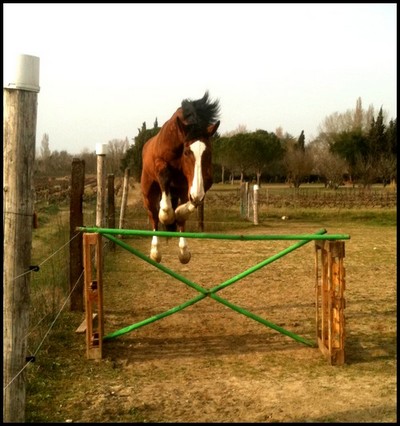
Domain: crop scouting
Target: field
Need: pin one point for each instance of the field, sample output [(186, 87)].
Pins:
[(208, 363)]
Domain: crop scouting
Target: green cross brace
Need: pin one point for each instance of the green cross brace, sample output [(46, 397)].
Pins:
[(211, 292)]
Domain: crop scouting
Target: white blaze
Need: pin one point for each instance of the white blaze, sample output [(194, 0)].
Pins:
[(197, 188)]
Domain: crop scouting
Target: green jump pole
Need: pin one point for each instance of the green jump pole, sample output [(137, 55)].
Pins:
[(204, 235)]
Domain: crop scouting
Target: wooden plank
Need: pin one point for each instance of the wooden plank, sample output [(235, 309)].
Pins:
[(82, 327)]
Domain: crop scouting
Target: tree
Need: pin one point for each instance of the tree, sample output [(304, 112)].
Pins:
[(219, 155), (357, 120), (90, 159), (382, 143), (45, 147), (298, 161), (133, 155), (265, 153), (352, 146), (301, 141), (371, 155), (116, 150), (42, 161), (330, 167)]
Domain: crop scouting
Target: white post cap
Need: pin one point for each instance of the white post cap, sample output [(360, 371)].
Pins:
[(101, 149), (24, 74)]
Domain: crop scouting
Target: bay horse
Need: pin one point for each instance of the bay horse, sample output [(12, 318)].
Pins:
[(176, 172)]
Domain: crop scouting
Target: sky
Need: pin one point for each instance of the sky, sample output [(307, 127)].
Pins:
[(105, 69)]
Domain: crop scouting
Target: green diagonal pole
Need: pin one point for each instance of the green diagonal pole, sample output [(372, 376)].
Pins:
[(157, 265), (262, 320), (263, 263), (154, 318)]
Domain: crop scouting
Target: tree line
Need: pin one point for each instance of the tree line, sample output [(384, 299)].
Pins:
[(357, 146)]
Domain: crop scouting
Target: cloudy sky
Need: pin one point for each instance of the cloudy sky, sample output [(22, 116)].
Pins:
[(107, 68)]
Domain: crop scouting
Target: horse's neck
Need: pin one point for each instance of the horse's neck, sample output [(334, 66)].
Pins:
[(170, 136)]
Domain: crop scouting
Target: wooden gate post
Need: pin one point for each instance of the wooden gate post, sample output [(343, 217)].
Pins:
[(93, 274), (19, 136), (330, 301), (111, 206), (75, 244), (124, 201)]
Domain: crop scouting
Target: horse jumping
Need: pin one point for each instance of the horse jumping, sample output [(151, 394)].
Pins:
[(177, 169)]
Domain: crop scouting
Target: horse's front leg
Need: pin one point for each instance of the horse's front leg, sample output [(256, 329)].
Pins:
[(155, 253), (151, 203), (184, 253), (183, 212), (166, 213)]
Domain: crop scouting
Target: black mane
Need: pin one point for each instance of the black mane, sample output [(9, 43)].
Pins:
[(199, 114)]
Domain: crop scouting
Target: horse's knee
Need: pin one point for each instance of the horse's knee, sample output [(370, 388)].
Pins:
[(166, 213)]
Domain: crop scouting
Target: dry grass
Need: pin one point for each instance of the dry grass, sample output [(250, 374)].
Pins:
[(210, 364)]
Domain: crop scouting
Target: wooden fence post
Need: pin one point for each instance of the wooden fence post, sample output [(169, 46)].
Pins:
[(200, 217), (75, 244), (124, 200), (111, 206), (255, 204), (101, 150), (330, 301), (19, 135), (93, 261)]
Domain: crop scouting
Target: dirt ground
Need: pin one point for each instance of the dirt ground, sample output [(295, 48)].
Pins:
[(207, 363)]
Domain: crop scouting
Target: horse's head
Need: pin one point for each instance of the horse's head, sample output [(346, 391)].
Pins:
[(196, 165), (197, 122)]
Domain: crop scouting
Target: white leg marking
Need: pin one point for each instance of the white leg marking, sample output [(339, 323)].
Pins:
[(154, 252), (197, 189), (183, 211), (184, 253), (166, 213)]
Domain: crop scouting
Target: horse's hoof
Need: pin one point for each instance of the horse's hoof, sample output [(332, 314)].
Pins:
[(184, 258), (156, 257)]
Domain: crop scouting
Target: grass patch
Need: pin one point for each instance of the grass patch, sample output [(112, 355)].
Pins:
[(62, 383)]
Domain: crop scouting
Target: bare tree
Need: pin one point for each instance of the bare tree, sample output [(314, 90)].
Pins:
[(116, 150), (351, 120), (298, 163), (240, 129), (328, 166)]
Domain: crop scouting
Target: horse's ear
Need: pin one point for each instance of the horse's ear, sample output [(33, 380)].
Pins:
[(212, 128)]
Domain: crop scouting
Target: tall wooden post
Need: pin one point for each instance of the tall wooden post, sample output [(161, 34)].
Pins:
[(200, 217), (19, 127), (111, 206), (330, 300), (101, 150), (93, 260), (124, 200), (255, 204), (75, 244)]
